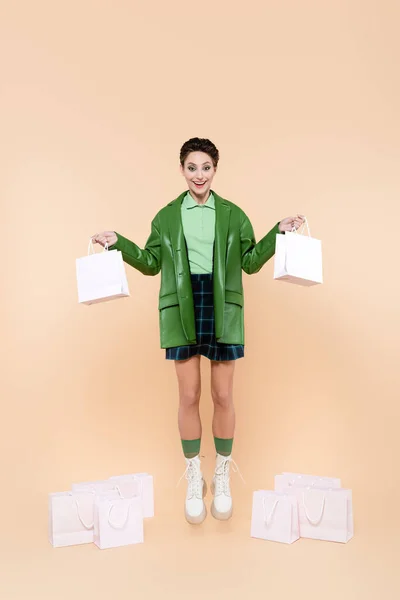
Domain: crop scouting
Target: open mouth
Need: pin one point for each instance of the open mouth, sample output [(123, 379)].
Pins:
[(199, 185)]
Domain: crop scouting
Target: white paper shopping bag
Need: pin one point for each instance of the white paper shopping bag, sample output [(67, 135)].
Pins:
[(284, 480), (325, 514), (275, 517), (101, 276), (138, 484), (71, 518), (95, 487), (298, 258), (117, 521)]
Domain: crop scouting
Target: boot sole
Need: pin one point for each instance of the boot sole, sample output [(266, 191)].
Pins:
[(219, 515), (200, 518)]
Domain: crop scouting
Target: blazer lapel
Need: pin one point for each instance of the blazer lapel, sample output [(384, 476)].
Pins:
[(222, 217), (182, 269)]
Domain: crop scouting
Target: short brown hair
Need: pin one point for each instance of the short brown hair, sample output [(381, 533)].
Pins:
[(199, 145)]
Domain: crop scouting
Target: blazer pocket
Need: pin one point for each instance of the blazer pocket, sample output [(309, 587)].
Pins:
[(234, 297), (168, 300)]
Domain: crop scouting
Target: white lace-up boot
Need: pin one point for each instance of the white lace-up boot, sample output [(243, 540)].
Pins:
[(195, 509), (221, 507)]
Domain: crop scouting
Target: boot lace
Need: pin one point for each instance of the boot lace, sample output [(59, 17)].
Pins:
[(222, 476), (194, 478)]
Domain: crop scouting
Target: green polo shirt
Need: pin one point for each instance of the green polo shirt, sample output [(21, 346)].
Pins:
[(198, 222)]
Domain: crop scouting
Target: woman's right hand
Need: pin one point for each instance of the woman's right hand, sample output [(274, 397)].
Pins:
[(105, 237)]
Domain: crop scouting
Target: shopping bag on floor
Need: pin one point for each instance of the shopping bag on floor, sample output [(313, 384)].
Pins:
[(286, 479), (71, 518), (324, 514), (117, 521), (298, 258), (275, 517), (138, 484), (101, 485), (101, 276), (128, 486)]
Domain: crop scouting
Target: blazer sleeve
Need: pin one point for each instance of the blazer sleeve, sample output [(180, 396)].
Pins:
[(146, 260), (255, 255)]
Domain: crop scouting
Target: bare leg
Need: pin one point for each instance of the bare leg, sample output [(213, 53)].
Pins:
[(222, 395), (189, 382)]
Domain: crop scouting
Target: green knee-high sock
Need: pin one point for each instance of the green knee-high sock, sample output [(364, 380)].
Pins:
[(223, 446), (191, 448)]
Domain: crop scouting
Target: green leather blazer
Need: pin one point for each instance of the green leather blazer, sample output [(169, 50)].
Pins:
[(235, 248)]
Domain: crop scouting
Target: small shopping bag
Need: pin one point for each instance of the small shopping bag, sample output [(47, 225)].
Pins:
[(101, 276), (275, 517), (325, 514), (285, 479), (138, 484), (117, 521), (71, 518), (298, 258)]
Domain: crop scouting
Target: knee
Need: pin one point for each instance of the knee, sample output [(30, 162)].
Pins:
[(222, 398), (190, 398)]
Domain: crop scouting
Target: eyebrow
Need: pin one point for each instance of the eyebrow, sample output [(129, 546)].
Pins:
[(208, 162)]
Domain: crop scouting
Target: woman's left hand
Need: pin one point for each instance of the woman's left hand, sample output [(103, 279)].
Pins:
[(290, 222)]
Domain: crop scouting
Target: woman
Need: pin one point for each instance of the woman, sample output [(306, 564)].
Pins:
[(201, 242)]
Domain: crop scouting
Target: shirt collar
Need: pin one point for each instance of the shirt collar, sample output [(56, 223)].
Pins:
[(189, 202)]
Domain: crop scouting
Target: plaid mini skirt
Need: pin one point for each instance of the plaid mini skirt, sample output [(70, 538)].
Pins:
[(207, 345)]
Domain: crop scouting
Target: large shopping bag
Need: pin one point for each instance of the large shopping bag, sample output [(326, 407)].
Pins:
[(101, 276), (275, 517), (138, 484), (298, 258), (324, 514), (285, 479), (71, 518), (117, 521)]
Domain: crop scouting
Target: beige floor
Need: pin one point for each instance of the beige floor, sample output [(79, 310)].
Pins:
[(214, 560)]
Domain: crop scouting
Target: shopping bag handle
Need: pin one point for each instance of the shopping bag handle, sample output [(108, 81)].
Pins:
[(114, 525), (314, 522), (268, 518), (86, 526), (305, 224), (313, 483), (140, 494), (91, 247)]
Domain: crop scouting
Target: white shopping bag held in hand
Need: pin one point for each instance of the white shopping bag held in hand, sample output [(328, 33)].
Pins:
[(101, 276), (298, 258)]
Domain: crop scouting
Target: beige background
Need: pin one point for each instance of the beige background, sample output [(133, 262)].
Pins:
[(302, 99)]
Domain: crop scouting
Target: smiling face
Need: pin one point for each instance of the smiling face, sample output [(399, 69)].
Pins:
[(199, 171)]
